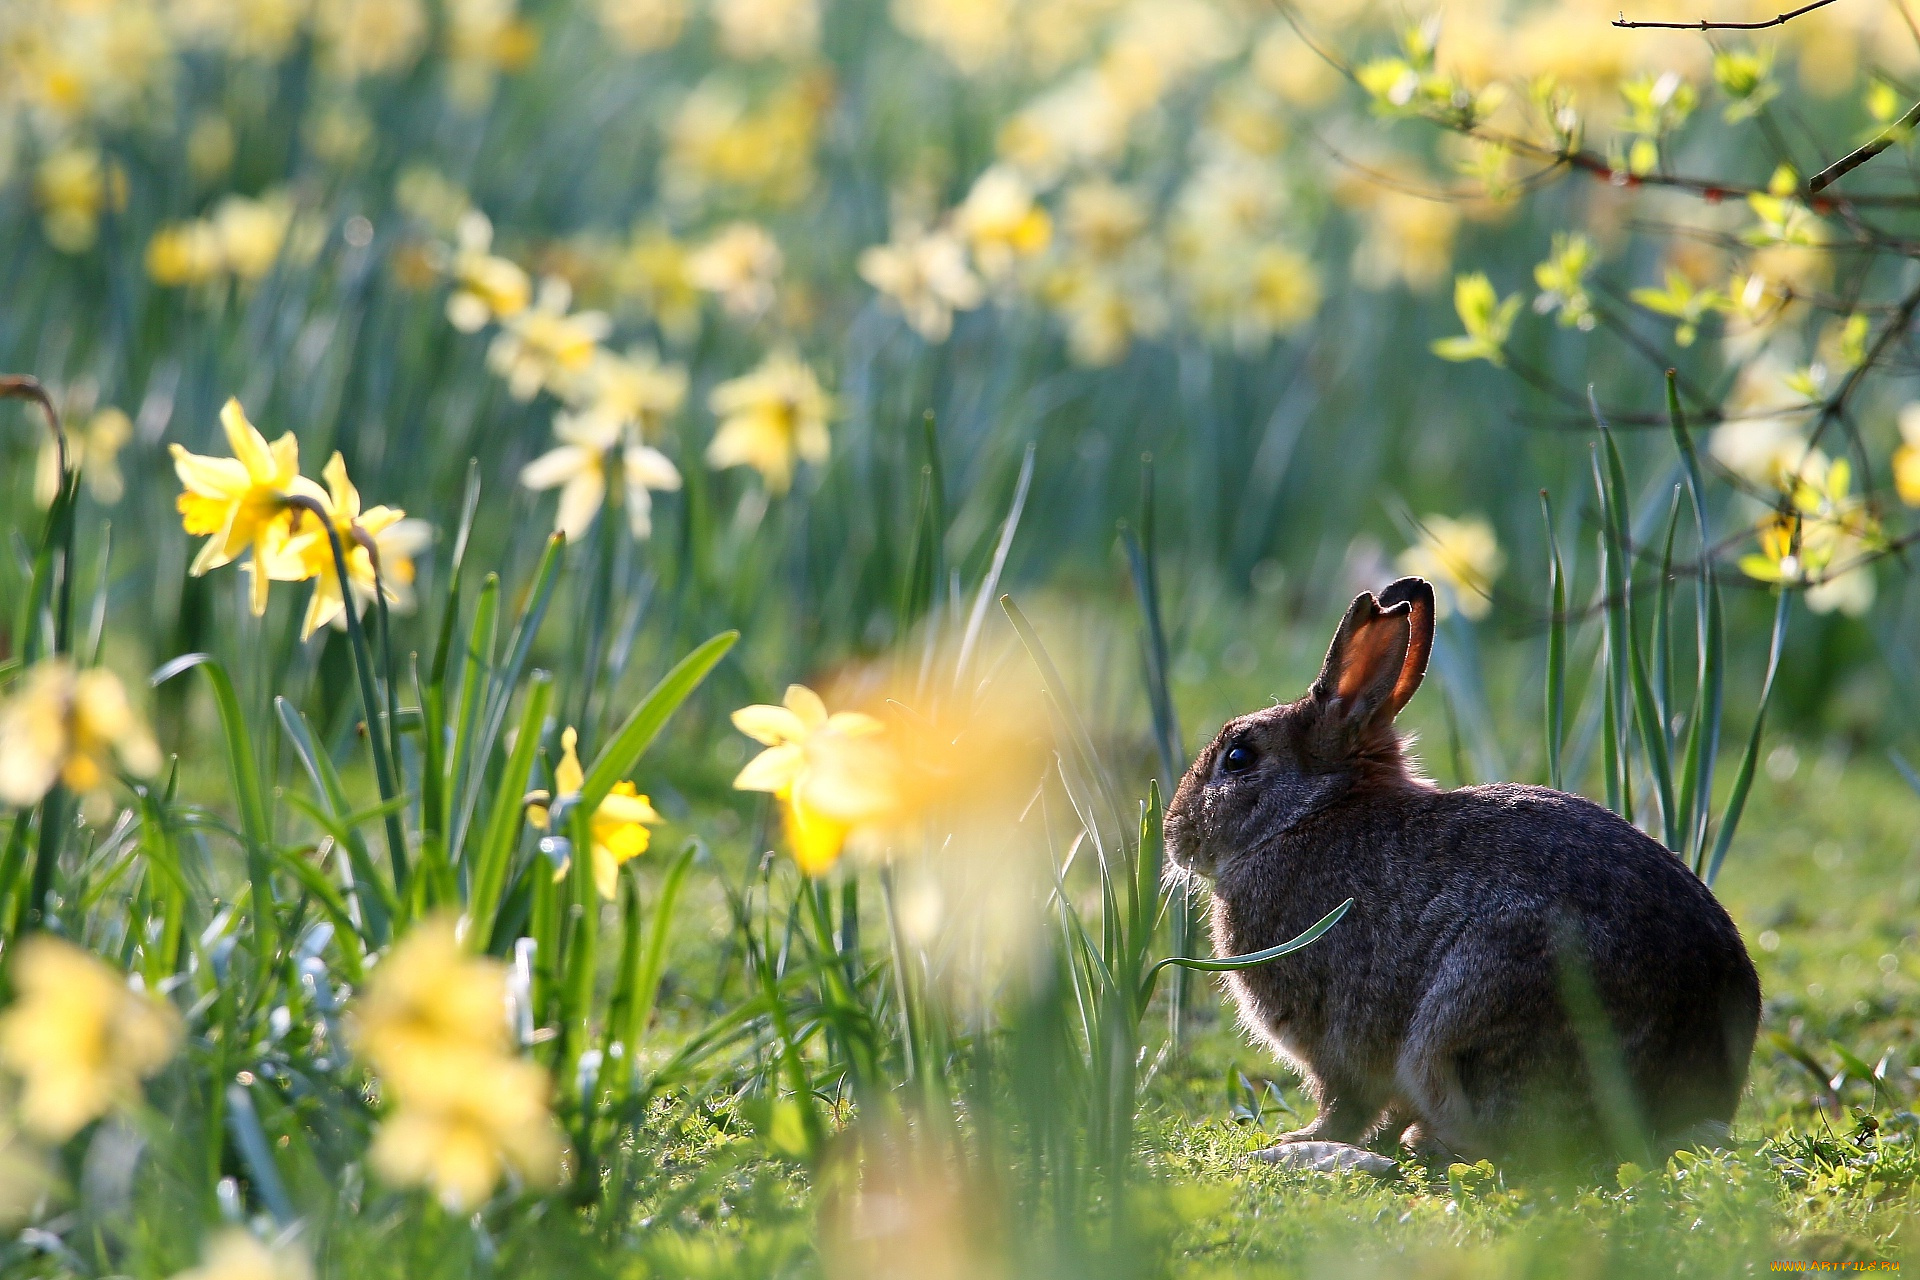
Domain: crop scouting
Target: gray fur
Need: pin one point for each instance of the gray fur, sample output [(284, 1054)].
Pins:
[(1441, 1000)]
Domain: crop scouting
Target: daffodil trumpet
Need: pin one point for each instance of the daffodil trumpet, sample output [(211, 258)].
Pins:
[(383, 770)]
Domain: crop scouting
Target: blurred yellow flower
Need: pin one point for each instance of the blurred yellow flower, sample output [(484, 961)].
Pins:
[(462, 1108), (78, 1037), (369, 37), (238, 1254), (740, 266), (252, 232), (1105, 309), (768, 28), (924, 274), (1461, 558), (721, 139), (74, 186), (653, 272), (62, 725), (1407, 238), (486, 287), (1001, 223), (544, 346), (834, 775), (239, 503), (184, 254), (619, 825), (308, 553), (579, 467), (483, 39), (1906, 457), (642, 26), (971, 33), (769, 417), (93, 448)]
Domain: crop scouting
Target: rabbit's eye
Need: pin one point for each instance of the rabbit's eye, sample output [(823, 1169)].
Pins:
[(1238, 759)]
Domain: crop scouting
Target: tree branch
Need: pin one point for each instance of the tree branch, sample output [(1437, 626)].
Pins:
[(1703, 24), (1854, 159)]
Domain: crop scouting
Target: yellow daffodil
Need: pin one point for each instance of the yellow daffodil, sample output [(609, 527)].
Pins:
[(68, 726), (543, 345), (741, 265), (487, 287), (308, 553), (463, 1108), (925, 275), (240, 503), (579, 468), (184, 254), (252, 232), (79, 1039), (636, 391), (642, 26), (835, 775), (74, 187), (1001, 223), (652, 271), (768, 28), (238, 1254), (1462, 558), (619, 825), (94, 449), (769, 417)]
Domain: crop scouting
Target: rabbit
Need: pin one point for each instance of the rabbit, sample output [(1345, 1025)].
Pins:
[(1523, 974)]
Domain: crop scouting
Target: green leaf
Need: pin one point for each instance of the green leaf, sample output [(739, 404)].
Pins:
[(617, 759)]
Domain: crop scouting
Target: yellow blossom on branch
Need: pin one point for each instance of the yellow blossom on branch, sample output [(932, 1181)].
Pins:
[(770, 417), (1486, 318), (1906, 458), (619, 825), (240, 503), (835, 775), (67, 726), (463, 1109), (78, 1038)]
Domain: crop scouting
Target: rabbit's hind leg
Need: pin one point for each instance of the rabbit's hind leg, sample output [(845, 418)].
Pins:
[(1484, 1040)]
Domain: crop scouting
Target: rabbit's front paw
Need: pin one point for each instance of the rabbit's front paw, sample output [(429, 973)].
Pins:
[(1327, 1157)]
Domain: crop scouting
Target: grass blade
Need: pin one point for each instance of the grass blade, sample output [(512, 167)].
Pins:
[(1556, 649), (1743, 778), (618, 758)]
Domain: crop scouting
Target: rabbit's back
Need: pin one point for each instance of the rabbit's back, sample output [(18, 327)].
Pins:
[(1480, 913)]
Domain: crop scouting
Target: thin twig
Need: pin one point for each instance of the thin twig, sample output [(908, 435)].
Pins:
[(1854, 159), (1704, 24)]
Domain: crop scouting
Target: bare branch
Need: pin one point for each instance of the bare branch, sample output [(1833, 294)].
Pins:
[(1704, 24), (1854, 159)]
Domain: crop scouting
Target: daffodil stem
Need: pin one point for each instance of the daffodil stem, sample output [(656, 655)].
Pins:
[(369, 700)]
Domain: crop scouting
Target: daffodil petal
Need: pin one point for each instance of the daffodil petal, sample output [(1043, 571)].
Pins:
[(772, 770), (771, 725)]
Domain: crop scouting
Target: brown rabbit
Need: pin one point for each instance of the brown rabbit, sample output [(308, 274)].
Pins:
[(1480, 917)]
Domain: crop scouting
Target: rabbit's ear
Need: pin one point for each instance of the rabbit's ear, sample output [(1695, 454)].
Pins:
[(1418, 594), (1365, 662)]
